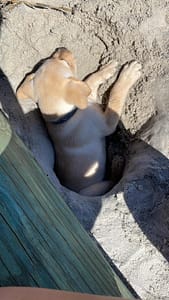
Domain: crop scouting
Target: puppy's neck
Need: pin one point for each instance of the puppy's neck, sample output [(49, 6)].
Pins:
[(63, 108), (60, 110)]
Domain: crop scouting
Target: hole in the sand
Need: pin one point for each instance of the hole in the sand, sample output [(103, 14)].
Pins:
[(117, 151)]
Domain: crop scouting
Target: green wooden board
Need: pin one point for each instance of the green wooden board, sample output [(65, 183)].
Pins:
[(41, 242)]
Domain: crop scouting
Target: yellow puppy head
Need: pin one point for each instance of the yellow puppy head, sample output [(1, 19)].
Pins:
[(53, 82)]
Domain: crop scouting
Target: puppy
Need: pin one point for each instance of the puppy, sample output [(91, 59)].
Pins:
[(77, 124)]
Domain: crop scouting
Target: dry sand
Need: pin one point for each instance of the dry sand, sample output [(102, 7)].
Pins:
[(132, 222)]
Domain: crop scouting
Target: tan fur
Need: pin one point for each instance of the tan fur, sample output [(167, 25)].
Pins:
[(79, 142), (26, 91)]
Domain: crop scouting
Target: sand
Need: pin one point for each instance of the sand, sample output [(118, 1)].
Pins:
[(131, 222)]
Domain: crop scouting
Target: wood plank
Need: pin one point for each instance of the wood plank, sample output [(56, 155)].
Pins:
[(42, 243)]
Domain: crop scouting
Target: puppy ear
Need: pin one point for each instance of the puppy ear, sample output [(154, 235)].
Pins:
[(25, 89), (77, 92)]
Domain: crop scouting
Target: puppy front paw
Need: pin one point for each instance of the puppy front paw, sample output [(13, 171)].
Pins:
[(108, 70), (130, 73)]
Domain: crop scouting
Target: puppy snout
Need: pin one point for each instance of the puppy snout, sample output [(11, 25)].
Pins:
[(63, 53)]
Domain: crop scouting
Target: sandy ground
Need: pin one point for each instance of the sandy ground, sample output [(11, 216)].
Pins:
[(131, 222)]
